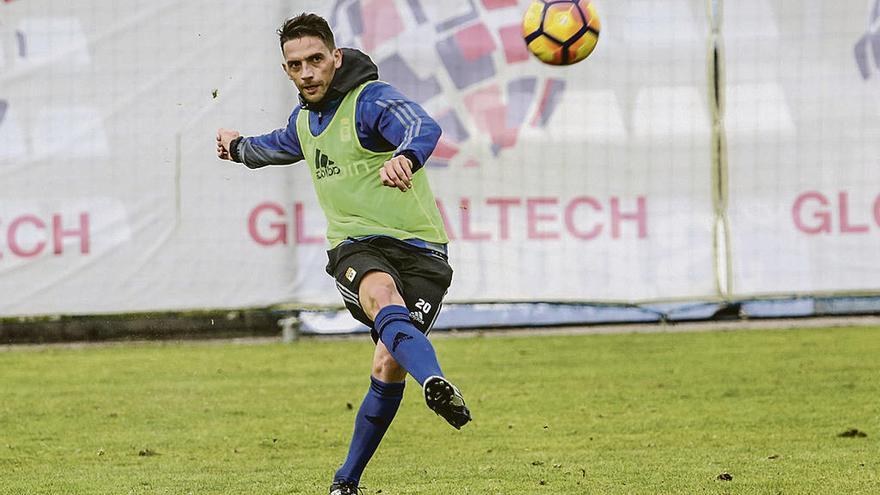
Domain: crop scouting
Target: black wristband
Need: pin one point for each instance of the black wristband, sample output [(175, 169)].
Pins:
[(416, 164), (233, 149)]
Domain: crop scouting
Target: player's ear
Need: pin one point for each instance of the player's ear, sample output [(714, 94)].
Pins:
[(337, 58)]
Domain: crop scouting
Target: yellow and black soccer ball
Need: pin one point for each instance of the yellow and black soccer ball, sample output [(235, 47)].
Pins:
[(561, 32)]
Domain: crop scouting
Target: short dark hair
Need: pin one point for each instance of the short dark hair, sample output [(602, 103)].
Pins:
[(306, 25)]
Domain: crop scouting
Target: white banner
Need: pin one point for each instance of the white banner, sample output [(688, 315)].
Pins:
[(592, 182), (803, 133), (110, 198), (583, 183)]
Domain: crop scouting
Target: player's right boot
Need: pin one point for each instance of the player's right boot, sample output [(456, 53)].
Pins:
[(344, 488), (444, 399)]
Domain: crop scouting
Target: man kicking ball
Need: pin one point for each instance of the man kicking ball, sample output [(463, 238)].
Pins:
[(365, 145)]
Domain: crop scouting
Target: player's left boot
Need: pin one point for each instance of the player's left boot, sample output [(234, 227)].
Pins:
[(445, 399), (344, 488)]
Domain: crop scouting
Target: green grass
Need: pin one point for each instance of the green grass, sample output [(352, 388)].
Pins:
[(606, 414)]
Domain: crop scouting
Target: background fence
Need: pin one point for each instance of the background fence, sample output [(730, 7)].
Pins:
[(707, 151)]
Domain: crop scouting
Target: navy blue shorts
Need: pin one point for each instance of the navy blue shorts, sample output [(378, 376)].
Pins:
[(422, 276)]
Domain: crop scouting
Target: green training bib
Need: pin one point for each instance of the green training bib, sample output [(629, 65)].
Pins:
[(346, 179)]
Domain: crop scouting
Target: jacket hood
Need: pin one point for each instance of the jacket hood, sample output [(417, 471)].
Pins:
[(357, 68)]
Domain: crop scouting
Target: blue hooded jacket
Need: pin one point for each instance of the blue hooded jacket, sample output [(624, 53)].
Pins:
[(385, 120)]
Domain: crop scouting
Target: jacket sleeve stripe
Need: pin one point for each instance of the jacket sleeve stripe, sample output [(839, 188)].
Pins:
[(407, 108), (407, 138), (408, 119)]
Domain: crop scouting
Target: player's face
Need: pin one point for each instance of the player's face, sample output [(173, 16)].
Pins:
[(311, 65)]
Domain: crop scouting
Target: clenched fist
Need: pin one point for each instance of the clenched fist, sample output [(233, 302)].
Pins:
[(224, 137), (397, 172)]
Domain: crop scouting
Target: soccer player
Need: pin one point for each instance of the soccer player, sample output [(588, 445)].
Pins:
[(365, 144)]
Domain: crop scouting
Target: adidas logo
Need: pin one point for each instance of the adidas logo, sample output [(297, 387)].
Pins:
[(399, 339), (417, 316), (324, 166)]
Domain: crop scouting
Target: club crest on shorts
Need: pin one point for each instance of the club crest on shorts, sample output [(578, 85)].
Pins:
[(350, 274)]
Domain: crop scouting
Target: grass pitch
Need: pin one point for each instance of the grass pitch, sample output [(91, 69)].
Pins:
[(606, 414)]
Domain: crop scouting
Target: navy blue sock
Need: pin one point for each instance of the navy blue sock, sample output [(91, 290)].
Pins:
[(408, 346), (373, 418)]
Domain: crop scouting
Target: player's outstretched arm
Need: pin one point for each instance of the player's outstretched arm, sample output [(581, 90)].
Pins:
[(279, 147)]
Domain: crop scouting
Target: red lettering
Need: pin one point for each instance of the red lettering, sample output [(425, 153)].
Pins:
[(845, 227), (572, 226), (639, 216), (546, 219), (504, 205), (877, 210), (280, 228), (14, 246), (466, 234), (299, 234), (59, 233), (533, 217), (824, 217)]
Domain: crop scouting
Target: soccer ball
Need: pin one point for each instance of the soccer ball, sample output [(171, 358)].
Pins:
[(561, 32)]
